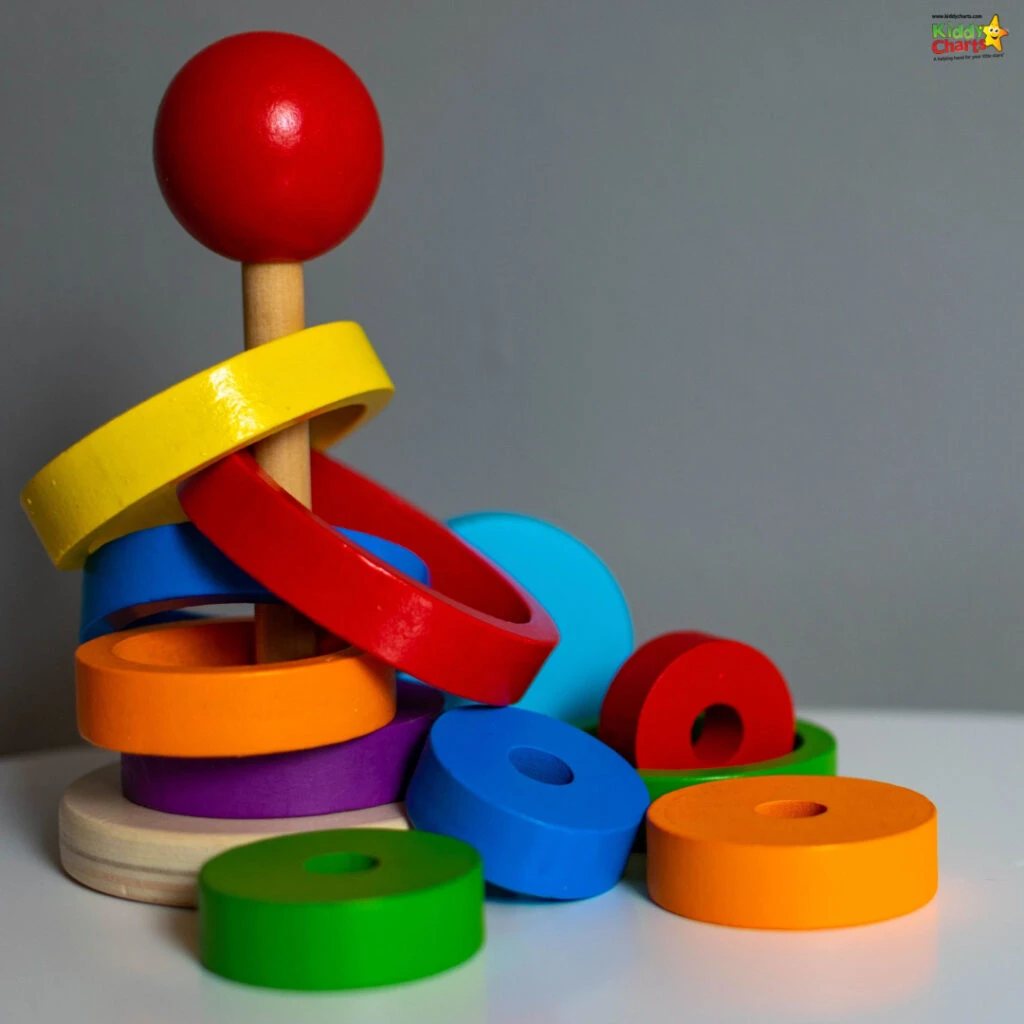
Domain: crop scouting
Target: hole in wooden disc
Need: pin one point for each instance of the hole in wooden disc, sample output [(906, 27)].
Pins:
[(716, 734), (791, 809), (540, 766), (342, 863)]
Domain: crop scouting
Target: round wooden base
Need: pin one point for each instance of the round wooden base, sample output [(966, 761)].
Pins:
[(117, 847)]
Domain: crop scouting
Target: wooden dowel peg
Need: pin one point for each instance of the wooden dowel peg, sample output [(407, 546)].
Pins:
[(273, 305)]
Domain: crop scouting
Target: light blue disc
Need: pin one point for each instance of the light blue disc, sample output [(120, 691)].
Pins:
[(577, 590)]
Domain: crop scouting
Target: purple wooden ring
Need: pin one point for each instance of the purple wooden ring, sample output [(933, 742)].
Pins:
[(364, 772)]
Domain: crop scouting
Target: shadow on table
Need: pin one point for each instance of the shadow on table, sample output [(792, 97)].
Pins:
[(635, 877), (817, 975), (181, 926), (459, 994)]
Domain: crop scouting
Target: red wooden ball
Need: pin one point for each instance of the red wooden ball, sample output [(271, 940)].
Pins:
[(268, 148)]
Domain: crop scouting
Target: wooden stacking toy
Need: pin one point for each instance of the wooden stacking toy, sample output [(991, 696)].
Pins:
[(269, 151), (297, 773)]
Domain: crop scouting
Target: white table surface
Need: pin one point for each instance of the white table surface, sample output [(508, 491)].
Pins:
[(71, 955)]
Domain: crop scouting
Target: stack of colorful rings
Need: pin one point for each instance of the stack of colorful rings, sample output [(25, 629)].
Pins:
[(204, 732)]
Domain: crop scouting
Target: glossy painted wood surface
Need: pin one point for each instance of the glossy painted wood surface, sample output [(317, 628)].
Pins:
[(268, 148), (473, 632), (123, 476), (192, 690)]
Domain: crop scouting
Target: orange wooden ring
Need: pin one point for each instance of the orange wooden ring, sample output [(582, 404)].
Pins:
[(191, 690), (794, 851)]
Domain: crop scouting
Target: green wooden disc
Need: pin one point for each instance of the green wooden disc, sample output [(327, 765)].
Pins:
[(813, 753), (342, 909)]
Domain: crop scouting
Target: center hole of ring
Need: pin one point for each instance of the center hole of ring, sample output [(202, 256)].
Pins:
[(540, 766), (343, 863), (716, 734), (790, 809)]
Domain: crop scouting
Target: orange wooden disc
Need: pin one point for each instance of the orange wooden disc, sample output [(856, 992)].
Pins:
[(191, 690), (796, 851)]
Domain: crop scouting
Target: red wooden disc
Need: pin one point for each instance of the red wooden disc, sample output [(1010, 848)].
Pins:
[(689, 700), (268, 148), (474, 633)]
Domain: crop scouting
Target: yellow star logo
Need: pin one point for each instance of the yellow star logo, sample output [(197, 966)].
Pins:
[(994, 33)]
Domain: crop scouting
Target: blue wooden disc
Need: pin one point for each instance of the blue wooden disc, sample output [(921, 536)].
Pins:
[(577, 590), (167, 567), (552, 811)]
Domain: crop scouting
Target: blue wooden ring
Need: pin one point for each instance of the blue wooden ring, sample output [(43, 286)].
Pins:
[(169, 567), (577, 590), (552, 811)]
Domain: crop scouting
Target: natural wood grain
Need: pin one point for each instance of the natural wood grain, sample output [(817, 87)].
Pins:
[(120, 848), (273, 305)]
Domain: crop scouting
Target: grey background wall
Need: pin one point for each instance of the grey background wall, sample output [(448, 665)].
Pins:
[(731, 292)]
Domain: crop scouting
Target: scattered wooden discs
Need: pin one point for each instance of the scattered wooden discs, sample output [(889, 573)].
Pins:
[(814, 752), (690, 700), (792, 851), (553, 811), (117, 847), (341, 909)]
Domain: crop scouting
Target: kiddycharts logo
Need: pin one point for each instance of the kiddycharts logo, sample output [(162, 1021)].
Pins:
[(966, 37)]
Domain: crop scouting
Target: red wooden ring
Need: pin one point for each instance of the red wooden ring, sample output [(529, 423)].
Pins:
[(474, 632), (652, 711)]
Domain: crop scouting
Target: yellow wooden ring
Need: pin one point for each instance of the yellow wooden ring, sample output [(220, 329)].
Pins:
[(123, 476)]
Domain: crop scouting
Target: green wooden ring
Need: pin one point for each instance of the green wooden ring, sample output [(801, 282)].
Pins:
[(348, 908), (813, 753)]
